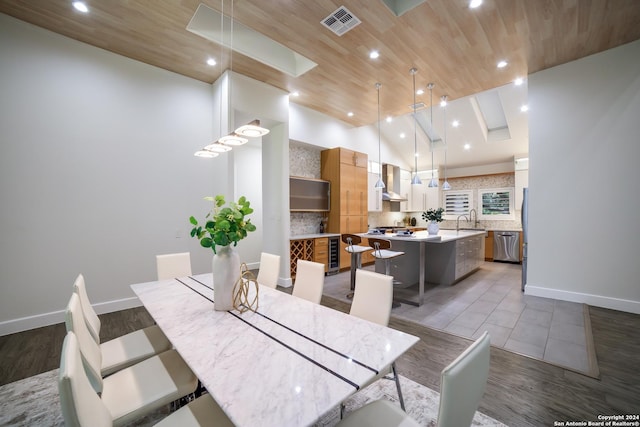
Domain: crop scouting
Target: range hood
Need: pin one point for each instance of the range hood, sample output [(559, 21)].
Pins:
[(391, 179)]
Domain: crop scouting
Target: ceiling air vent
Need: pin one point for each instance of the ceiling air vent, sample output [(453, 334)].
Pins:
[(340, 21)]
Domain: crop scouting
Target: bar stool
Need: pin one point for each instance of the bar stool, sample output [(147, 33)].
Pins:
[(381, 251), (356, 251)]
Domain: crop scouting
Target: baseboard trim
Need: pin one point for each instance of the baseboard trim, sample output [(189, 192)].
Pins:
[(619, 304), (38, 321)]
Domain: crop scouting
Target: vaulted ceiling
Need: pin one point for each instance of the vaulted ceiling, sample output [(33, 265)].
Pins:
[(450, 44)]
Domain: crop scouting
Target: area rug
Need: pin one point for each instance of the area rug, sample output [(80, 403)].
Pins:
[(34, 402)]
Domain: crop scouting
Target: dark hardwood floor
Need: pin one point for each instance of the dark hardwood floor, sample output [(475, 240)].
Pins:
[(521, 391)]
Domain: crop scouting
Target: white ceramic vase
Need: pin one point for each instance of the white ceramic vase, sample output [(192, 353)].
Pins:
[(433, 227), (226, 271)]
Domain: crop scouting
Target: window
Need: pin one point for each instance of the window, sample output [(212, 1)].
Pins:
[(457, 203), (496, 203)]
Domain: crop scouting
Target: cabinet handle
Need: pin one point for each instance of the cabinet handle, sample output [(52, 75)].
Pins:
[(348, 202)]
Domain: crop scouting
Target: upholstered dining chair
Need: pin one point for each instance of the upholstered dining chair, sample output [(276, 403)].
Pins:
[(170, 266), (204, 411), (134, 396), (372, 301), (123, 351), (462, 385), (134, 390), (309, 281), (269, 270)]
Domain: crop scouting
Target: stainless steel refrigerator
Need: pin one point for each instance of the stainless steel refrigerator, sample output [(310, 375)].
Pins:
[(525, 233)]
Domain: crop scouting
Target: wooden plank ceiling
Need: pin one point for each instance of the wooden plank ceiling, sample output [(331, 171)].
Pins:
[(450, 44)]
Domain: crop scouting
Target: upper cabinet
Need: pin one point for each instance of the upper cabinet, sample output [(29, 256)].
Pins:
[(405, 190), (375, 194)]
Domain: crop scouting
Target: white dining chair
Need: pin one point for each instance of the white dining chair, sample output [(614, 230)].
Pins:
[(269, 270), (462, 385), (201, 412), (125, 397), (170, 266), (309, 281), (372, 297), (123, 351), (372, 301), (137, 389)]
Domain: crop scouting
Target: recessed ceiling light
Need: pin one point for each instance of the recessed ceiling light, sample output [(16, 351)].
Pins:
[(518, 81), (455, 123), (402, 135), (419, 92), (524, 108), (502, 64), (211, 62), (474, 3), (296, 93), (389, 119), (350, 114), (80, 6), (467, 146), (374, 54)]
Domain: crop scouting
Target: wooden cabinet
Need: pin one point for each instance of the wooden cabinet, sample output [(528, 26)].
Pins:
[(347, 172), (488, 246), (316, 250), (321, 251)]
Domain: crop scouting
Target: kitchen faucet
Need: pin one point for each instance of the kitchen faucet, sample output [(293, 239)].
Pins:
[(471, 216), (458, 222)]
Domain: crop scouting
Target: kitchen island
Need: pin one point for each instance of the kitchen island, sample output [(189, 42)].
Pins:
[(444, 259)]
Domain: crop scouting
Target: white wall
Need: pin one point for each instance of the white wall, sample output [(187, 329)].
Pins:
[(97, 173), (584, 122), (313, 127)]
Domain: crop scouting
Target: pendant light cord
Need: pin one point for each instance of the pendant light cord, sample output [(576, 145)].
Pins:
[(378, 85)]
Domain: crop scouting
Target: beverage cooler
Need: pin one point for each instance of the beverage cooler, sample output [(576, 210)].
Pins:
[(334, 255)]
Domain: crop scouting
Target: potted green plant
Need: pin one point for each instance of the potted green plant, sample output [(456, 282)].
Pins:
[(224, 227), (434, 216)]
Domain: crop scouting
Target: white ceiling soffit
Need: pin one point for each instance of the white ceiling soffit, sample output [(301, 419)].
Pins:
[(206, 23), (341, 21), (490, 107), (399, 7)]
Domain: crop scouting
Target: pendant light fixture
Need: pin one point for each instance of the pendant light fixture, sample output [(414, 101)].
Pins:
[(240, 135), (434, 182), (445, 184), (380, 183), (416, 179)]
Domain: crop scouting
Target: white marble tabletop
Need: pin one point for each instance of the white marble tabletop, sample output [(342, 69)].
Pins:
[(288, 364)]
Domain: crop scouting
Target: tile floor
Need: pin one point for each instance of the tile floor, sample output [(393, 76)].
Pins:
[(491, 299)]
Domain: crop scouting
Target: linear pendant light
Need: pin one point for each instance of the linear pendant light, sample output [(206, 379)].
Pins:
[(445, 184), (380, 183), (434, 182), (416, 179), (240, 135)]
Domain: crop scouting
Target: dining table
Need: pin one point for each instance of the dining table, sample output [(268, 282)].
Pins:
[(288, 363)]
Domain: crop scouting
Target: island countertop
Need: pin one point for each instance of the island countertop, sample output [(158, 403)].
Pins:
[(443, 236), (313, 236)]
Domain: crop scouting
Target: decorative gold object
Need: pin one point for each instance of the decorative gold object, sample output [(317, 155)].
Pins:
[(241, 291)]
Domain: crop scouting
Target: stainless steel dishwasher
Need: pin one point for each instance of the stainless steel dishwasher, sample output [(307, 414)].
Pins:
[(506, 246)]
